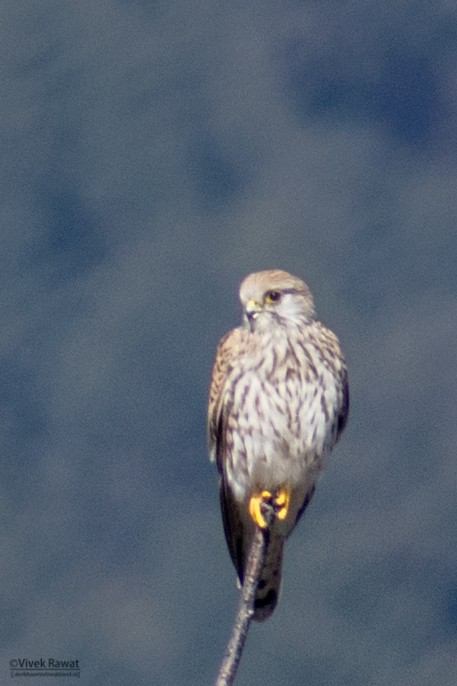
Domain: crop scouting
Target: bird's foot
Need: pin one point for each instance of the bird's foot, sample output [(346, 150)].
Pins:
[(279, 501), (256, 505)]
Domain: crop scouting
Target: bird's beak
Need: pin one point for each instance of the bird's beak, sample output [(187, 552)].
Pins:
[(252, 311)]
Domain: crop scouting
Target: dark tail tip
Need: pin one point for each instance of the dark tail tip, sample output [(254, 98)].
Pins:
[(264, 606)]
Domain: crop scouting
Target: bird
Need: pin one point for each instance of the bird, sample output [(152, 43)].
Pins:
[(278, 403)]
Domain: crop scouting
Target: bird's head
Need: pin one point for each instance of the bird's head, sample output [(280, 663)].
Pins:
[(275, 296)]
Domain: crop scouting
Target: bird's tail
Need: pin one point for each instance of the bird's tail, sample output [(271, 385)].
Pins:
[(270, 579)]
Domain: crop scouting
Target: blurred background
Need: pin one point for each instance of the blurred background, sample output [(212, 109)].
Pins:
[(153, 154)]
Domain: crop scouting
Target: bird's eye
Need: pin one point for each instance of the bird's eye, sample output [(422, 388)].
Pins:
[(272, 296)]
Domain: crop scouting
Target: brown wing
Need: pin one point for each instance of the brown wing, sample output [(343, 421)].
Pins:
[(218, 410), (225, 354), (329, 346), (233, 527), (344, 409)]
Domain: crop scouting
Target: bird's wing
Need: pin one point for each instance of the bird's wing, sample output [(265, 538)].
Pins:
[(217, 408), (234, 528), (331, 351), (344, 407), (218, 412)]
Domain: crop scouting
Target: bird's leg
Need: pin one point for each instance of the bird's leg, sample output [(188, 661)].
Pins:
[(279, 501)]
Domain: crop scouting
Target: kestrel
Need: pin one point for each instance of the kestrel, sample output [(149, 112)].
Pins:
[(278, 404)]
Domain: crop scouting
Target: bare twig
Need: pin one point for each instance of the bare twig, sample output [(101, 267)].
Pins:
[(234, 650)]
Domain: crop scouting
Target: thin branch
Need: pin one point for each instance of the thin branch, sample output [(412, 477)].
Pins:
[(235, 646)]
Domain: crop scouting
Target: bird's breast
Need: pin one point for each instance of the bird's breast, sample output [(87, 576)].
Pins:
[(281, 415)]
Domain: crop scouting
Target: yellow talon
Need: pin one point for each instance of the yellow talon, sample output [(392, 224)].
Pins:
[(255, 508), (280, 503)]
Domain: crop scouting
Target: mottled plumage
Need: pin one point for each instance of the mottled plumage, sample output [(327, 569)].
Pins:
[(278, 404)]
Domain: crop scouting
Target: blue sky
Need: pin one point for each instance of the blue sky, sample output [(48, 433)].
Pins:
[(153, 154)]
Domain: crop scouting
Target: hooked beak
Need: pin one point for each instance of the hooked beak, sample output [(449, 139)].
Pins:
[(252, 311)]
